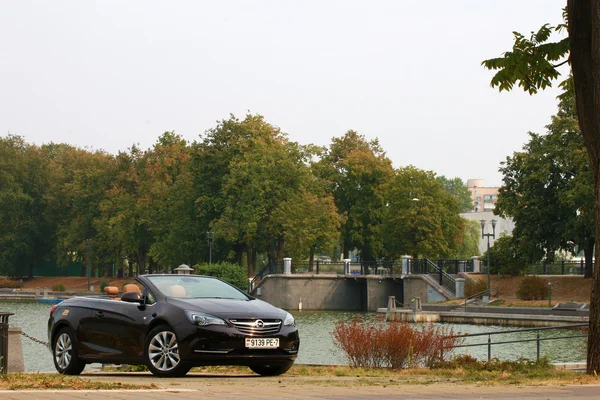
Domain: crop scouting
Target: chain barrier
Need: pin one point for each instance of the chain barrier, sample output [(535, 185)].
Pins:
[(34, 339)]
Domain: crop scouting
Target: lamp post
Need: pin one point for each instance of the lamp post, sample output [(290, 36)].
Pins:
[(89, 266), (210, 237), (488, 235)]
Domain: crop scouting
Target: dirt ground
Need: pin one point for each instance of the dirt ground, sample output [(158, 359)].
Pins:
[(564, 287)]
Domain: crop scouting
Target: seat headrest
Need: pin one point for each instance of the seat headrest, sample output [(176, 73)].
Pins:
[(111, 290), (177, 291), (131, 287)]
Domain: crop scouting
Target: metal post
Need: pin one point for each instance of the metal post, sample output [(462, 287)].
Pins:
[(538, 346), (489, 348), (456, 267), (582, 267), (562, 267), (210, 237), (317, 267), (89, 266), (483, 235), (4, 342), (441, 269)]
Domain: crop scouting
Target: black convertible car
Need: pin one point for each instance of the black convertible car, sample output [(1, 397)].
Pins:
[(172, 323)]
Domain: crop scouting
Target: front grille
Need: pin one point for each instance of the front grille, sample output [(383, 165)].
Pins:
[(257, 327)]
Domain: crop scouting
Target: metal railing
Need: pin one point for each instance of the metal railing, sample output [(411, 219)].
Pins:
[(562, 267), (537, 339), (474, 296), (443, 278)]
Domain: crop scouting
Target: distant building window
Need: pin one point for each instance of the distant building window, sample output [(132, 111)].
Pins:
[(490, 198), (478, 198)]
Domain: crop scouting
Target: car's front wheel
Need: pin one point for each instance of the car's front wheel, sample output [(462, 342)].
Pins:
[(162, 353), (271, 369), (64, 353)]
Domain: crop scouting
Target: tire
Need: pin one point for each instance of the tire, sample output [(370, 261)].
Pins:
[(64, 353), (271, 369), (162, 353)]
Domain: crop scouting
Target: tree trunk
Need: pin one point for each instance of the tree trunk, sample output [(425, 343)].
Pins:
[(584, 36)]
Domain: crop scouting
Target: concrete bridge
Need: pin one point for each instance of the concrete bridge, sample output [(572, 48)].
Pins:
[(346, 292)]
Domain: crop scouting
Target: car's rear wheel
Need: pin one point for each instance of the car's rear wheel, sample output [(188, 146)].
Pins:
[(64, 351), (162, 353), (271, 369)]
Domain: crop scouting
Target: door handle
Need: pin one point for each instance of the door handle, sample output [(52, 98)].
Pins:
[(99, 314)]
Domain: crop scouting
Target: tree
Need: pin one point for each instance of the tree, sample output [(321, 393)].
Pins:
[(547, 191), (26, 234), (422, 219), (359, 173), (533, 64), (457, 188), (507, 255)]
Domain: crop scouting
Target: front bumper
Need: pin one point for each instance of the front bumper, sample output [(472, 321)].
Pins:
[(225, 345)]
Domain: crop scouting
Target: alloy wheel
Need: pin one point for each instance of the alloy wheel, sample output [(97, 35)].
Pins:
[(63, 350), (163, 351)]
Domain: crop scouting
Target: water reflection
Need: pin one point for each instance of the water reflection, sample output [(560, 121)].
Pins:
[(316, 345)]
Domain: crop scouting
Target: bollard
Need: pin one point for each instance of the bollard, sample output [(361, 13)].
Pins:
[(4, 341)]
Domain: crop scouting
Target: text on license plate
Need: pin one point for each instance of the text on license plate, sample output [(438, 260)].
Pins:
[(262, 343)]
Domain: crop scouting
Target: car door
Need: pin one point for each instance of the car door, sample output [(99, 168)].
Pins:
[(117, 331)]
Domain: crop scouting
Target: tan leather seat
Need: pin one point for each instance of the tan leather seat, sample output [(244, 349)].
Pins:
[(176, 291), (111, 290), (131, 287)]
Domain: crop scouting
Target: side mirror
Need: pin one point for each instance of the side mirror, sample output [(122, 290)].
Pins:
[(132, 297)]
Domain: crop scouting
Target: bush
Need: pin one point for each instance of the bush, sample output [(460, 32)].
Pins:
[(58, 288), (475, 286), (103, 284), (230, 273), (9, 283), (392, 344), (532, 288)]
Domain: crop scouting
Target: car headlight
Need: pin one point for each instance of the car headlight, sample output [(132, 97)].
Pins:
[(201, 319), (289, 320)]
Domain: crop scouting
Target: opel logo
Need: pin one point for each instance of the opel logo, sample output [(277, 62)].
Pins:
[(259, 324)]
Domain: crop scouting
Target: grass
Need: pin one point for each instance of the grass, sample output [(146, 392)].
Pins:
[(465, 370), (55, 381)]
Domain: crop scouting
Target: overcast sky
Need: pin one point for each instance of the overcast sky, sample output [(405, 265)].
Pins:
[(109, 74)]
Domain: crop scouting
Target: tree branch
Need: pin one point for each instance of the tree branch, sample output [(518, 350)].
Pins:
[(562, 63)]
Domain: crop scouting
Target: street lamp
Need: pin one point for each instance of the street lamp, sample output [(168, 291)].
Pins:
[(210, 237), (488, 235), (89, 266)]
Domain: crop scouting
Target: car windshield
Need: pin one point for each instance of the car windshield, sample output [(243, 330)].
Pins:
[(195, 287)]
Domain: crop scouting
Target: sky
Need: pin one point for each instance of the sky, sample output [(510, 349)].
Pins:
[(110, 74)]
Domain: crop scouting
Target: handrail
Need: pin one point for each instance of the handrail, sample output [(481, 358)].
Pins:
[(474, 296), (537, 339), (451, 286), (257, 278)]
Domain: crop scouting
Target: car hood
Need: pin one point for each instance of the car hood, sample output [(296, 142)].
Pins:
[(230, 308)]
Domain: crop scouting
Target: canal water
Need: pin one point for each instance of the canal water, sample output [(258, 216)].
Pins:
[(316, 344)]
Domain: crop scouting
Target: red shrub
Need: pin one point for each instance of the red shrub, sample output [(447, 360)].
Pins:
[(395, 344)]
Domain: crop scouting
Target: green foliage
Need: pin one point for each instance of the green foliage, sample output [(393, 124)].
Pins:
[(230, 273), (103, 284), (548, 191), (421, 218), (457, 188), (358, 172), (532, 63), (475, 286), (532, 288), (507, 256), (59, 287)]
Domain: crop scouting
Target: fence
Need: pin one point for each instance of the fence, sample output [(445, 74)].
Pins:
[(538, 339), (440, 269)]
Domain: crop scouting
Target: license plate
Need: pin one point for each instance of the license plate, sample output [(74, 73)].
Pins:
[(262, 343)]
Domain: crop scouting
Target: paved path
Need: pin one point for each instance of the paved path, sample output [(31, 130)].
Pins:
[(251, 387)]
